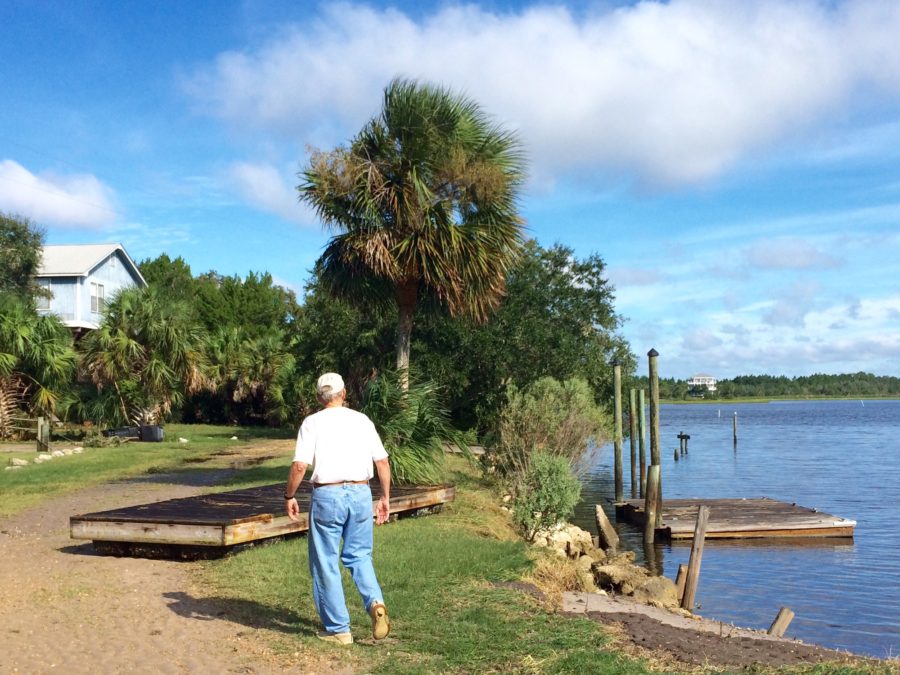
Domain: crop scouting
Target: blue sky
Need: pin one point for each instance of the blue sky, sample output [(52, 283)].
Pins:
[(735, 164)]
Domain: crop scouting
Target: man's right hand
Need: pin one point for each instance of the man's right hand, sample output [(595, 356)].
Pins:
[(293, 510)]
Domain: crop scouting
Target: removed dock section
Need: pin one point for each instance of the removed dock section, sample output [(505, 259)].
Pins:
[(738, 519), (213, 523)]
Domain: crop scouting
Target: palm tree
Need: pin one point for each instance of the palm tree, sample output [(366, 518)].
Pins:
[(424, 205), (149, 351), (37, 360)]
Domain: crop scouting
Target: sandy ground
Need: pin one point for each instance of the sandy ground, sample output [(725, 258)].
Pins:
[(64, 608)]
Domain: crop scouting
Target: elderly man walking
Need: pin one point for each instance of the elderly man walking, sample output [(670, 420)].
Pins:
[(342, 446)]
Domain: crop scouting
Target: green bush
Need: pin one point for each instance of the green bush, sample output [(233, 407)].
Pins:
[(549, 416), (545, 494)]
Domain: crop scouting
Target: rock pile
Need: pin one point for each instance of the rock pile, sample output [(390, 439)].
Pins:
[(612, 572), (16, 463)]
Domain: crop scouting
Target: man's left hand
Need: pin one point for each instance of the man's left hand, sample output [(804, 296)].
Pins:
[(382, 511)]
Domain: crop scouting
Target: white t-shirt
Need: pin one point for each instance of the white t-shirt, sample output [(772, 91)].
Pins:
[(341, 444)]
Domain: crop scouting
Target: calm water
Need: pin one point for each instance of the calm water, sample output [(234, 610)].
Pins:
[(842, 457)]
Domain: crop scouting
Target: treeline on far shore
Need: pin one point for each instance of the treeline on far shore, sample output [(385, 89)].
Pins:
[(849, 385)]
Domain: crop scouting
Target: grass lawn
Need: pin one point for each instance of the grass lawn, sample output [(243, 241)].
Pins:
[(448, 614), (31, 484)]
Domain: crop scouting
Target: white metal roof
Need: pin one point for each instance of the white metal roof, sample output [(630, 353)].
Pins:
[(77, 260)]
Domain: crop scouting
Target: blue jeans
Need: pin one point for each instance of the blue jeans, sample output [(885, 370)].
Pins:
[(341, 512)]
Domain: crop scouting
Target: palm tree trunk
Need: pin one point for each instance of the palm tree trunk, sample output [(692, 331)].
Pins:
[(122, 402), (407, 294)]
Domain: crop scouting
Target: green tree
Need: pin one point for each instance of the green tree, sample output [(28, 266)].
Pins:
[(21, 250), (558, 320), (331, 334), (255, 304), (424, 203), (171, 277)]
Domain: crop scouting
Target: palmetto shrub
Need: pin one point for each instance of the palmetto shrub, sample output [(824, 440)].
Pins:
[(414, 426)]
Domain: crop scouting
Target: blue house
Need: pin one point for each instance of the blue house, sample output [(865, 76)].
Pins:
[(81, 277)]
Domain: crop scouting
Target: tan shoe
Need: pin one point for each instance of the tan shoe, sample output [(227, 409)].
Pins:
[(338, 638), (381, 625)]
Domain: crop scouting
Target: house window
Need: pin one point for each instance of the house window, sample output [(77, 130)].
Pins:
[(43, 301), (97, 298)]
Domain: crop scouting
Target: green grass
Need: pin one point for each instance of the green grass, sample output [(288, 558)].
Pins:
[(448, 616), (34, 483)]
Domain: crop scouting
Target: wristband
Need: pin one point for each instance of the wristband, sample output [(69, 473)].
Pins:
[(286, 498)]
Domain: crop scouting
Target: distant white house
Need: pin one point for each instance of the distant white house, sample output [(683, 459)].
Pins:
[(702, 380), (81, 277)]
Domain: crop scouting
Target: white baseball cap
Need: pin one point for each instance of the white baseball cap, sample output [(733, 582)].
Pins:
[(330, 383)]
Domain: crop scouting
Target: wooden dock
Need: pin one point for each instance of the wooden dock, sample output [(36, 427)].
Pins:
[(213, 524), (738, 519)]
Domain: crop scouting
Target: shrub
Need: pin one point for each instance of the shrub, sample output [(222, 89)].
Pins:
[(545, 494), (414, 426), (558, 418)]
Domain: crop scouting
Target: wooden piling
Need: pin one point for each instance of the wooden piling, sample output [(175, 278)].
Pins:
[(43, 434), (632, 437), (608, 539), (680, 578), (781, 622), (693, 574), (650, 503), (617, 394), (734, 427), (642, 441), (654, 429)]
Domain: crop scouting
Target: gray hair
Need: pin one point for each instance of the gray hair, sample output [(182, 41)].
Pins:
[(326, 397)]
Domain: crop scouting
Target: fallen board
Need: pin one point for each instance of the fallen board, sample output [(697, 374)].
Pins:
[(739, 518), (227, 519)]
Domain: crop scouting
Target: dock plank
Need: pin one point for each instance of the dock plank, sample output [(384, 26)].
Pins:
[(739, 518), (227, 519)]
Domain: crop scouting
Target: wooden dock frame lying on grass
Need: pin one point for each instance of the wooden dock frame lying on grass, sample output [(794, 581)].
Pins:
[(213, 524), (738, 519)]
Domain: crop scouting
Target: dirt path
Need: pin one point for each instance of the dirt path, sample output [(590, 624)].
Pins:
[(65, 609)]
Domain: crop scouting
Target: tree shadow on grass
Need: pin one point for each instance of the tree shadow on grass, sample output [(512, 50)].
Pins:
[(245, 612)]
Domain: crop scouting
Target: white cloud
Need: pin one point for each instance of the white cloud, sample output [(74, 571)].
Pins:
[(700, 339), (263, 186), (671, 93), (788, 253), (634, 276), (73, 201)]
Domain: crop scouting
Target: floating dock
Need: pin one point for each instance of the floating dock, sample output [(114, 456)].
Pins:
[(212, 524), (738, 519)]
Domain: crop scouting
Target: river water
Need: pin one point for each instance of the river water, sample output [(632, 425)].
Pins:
[(841, 457)]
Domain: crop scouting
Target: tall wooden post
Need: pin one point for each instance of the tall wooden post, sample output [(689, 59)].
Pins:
[(617, 393), (734, 428), (43, 435), (650, 501), (642, 440), (632, 437), (654, 429)]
